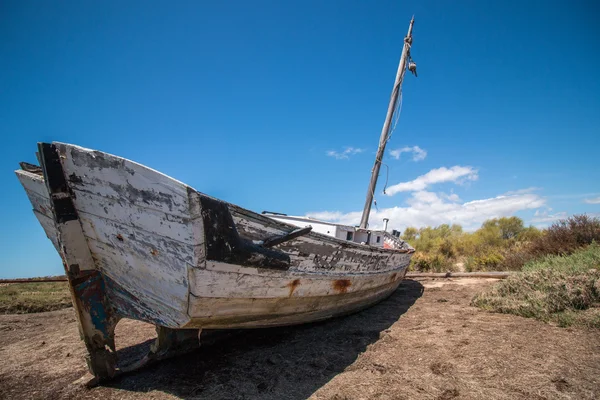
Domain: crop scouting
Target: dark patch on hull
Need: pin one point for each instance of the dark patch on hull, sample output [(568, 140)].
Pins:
[(223, 243), (98, 159), (34, 169), (64, 209), (149, 197), (75, 179)]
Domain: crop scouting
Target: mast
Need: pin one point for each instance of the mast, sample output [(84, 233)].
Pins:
[(364, 222)]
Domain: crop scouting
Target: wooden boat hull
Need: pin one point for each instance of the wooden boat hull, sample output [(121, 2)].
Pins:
[(139, 244), (269, 312)]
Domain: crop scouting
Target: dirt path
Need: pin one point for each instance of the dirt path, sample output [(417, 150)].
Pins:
[(424, 342)]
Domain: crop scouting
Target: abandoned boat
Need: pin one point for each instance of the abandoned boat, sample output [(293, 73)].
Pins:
[(138, 244)]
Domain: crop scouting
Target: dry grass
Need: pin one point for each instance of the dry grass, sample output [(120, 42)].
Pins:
[(561, 289), (21, 298)]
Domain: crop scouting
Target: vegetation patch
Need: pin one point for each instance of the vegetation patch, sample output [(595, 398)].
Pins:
[(22, 298), (560, 289), (561, 238), (501, 244)]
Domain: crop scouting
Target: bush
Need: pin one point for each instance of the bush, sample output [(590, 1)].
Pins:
[(568, 235), (500, 244), (427, 263), (561, 238), (487, 262), (563, 289)]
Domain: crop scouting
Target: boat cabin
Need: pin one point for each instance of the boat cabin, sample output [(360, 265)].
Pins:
[(376, 238)]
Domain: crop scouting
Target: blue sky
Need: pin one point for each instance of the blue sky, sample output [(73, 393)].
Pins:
[(251, 102)]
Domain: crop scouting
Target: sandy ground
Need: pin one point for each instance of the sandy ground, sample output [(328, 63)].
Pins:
[(424, 342)]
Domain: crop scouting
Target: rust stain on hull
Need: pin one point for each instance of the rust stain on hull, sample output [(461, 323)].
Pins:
[(293, 285), (341, 285)]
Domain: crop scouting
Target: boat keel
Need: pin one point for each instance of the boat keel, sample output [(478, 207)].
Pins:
[(103, 365), (97, 323)]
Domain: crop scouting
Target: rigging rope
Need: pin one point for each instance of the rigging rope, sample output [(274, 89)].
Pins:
[(397, 113), (387, 175)]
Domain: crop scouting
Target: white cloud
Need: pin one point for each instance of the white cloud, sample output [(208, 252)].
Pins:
[(592, 201), (418, 153), (430, 209), (345, 154), (453, 197), (456, 174), (522, 191)]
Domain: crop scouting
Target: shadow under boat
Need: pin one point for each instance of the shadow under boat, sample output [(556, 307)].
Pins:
[(287, 362)]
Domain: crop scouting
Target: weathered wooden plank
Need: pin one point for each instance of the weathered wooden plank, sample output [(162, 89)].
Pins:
[(38, 195), (316, 252), (222, 280), (219, 313), (49, 227), (173, 257), (40, 204), (166, 293), (326, 255), (252, 229), (151, 267), (151, 221), (32, 182), (138, 228), (147, 252), (239, 269), (120, 179), (36, 191), (197, 228)]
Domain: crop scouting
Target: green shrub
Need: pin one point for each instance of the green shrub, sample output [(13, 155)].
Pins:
[(500, 244), (563, 289), (488, 262), (430, 263)]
